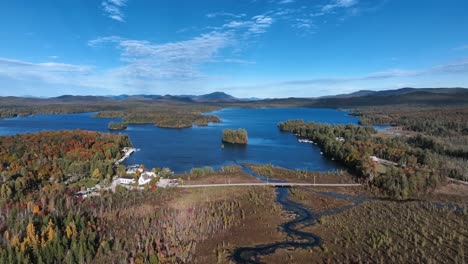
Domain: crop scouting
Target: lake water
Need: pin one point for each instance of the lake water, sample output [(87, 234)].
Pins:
[(183, 149)]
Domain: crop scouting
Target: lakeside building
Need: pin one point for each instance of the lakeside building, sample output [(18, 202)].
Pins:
[(126, 180), (383, 161), (164, 183), (145, 177)]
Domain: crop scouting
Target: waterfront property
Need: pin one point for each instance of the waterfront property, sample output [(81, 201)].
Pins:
[(146, 177), (383, 161), (126, 180), (127, 152)]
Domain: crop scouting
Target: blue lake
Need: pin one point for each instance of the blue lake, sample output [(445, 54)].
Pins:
[(183, 149)]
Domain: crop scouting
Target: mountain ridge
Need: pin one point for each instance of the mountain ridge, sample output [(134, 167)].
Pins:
[(365, 97)]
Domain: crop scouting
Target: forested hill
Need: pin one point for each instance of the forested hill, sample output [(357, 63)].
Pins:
[(30, 160), (13, 106), (407, 96), (404, 96)]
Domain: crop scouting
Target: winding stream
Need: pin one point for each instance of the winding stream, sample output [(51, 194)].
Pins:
[(304, 216)]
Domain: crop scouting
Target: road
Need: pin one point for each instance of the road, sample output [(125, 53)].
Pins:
[(276, 184)]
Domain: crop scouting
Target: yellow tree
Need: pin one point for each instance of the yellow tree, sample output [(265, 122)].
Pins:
[(70, 230), (50, 231), (97, 173), (36, 209)]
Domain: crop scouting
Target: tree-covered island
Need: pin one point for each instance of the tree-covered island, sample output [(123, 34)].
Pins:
[(117, 126), (238, 136)]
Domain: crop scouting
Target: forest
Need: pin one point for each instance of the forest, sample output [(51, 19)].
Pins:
[(32, 161), (238, 136), (417, 170), (170, 117), (42, 221), (117, 126)]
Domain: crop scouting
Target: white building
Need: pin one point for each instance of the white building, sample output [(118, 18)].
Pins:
[(163, 183), (126, 180), (383, 161), (341, 139), (134, 170), (145, 177)]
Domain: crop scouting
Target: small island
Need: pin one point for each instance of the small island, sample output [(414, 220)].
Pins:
[(117, 126), (238, 136)]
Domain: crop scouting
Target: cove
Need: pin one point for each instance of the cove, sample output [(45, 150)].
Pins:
[(183, 149)]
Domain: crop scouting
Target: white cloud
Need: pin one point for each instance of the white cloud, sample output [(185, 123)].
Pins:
[(441, 75), (224, 14), (256, 25), (261, 24), (141, 76), (175, 60), (464, 47), (45, 72), (282, 2), (113, 9), (304, 23), (17, 67), (240, 61), (338, 4)]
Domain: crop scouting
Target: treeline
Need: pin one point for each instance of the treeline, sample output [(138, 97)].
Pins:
[(56, 227), (440, 122), (238, 136), (117, 126), (29, 161), (7, 111), (172, 117), (416, 171), (162, 113), (441, 132), (42, 221)]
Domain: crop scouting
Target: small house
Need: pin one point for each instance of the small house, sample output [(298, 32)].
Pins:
[(164, 183), (145, 177), (126, 180)]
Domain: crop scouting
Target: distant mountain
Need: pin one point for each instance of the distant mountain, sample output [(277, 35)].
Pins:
[(214, 97), (211, 97), (401, 91), (407, 96), (78, 98), (354, 94)]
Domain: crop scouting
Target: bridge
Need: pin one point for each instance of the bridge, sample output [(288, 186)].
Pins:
[(274, 184)]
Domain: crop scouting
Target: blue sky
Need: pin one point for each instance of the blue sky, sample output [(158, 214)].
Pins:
[(247, 48)]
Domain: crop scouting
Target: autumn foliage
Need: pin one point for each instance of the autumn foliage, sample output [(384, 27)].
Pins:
[(29, 159)]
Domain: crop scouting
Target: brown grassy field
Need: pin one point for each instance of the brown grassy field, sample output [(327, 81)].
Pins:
[(261, 216), (234, 174), (278, 173), (385, 231)]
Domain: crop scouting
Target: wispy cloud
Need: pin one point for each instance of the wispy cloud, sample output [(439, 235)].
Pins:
[(338, 4), (46, 66), (146, 75), (282, 2), (261, 24), (239, 61), (464, 47), (343, 84), (225, 14), (147, 65), (182, 60), (113, 9), (49, 72), (256, 25), (178, 60)]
